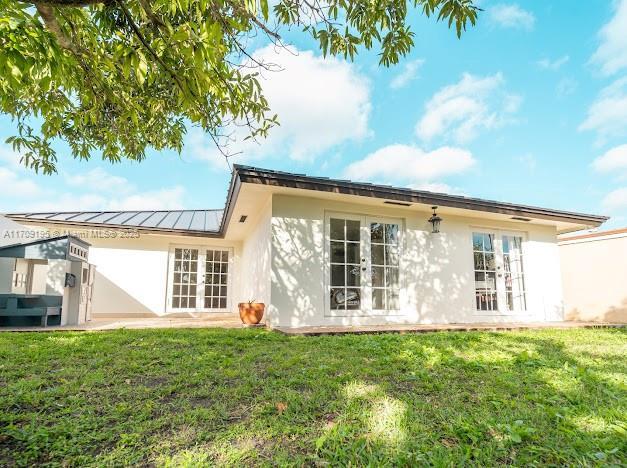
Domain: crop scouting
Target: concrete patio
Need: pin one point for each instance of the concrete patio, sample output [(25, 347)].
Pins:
[(111, 323)]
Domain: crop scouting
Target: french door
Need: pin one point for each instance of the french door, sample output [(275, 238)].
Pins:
[(499, 272), (198, 279), (363, 274)]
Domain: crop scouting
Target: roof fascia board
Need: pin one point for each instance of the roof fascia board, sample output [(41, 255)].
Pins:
[(231, 200)]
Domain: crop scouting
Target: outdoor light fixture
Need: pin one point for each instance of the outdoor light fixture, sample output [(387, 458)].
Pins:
[(435, 221)]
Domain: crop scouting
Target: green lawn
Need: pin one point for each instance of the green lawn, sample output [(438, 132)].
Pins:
[(233, 397)]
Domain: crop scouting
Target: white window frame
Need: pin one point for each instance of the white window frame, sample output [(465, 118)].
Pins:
[(501, 309), (365, 252), (200, 286)]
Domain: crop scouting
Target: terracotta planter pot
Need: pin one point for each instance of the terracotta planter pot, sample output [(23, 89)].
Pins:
[(251, 313)]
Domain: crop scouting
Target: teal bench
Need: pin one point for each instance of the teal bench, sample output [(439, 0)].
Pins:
[(16, 310)]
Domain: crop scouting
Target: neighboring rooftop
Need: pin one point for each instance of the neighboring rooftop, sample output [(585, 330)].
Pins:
[(199, 221), (593, 235)]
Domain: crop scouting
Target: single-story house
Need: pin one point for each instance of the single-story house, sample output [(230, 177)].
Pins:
[(319, 251), (594, 276)]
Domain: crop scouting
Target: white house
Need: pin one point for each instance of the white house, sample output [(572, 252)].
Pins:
[(320, 251)]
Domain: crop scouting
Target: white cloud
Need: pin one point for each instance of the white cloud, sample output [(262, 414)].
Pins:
[(611, 55), (511, 16), (608, 113), (10, 158), (613, 160), (100, 179), (553, 65), (616, 200), (165, 199), (23, 190), (13, 185), (410, 165), (566, 86), (199, 146), (463, 109), (320, 102), (409, 73)]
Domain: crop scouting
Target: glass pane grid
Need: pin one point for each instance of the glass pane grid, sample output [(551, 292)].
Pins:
[(514, 274), (185, 278), (485, 271), (384, 259), (216, 279), (345, 292)]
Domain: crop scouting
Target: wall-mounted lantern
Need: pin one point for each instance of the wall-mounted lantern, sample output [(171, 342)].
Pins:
[(435, 221)]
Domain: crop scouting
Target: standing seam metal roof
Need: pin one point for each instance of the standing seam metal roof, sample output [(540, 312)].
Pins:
[(181, 220)]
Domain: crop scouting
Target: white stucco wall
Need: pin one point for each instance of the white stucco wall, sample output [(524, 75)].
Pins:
[(55, 279), (132, 274), (256, 264), (7, 267), (594, 274), (438, 285)]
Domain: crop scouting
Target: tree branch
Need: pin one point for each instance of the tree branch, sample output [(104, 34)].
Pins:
[(50, 20), (145, 4), (243, 11), (151, 51)]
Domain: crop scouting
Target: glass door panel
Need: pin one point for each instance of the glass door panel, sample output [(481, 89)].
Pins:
[(185, 279), (498, 269), (363, 263), (514, 278), (384, 266), (198, 279), (216, 279), (483, 247), (345, 246)]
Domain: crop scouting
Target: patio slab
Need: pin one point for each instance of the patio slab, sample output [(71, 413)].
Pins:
[(373, 329), (100, 324)]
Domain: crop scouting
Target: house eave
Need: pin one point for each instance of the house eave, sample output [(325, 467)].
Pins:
[(251, 175)]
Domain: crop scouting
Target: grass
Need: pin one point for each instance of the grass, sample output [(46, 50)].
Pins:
[(249, 397)]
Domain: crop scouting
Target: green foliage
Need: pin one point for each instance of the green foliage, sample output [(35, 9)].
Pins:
[(211, 397), (122, 76)]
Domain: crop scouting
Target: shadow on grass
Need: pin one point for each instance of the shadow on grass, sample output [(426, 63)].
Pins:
[(248, 396)]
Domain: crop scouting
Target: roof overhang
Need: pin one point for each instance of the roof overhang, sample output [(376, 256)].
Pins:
[(565, 221)]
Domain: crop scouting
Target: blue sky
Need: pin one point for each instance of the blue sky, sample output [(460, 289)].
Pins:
[(530, 107)]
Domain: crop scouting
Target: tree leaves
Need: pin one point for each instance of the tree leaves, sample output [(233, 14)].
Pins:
[(120, 77)]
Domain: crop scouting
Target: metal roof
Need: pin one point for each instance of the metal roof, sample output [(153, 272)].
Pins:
[(199, 221)]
